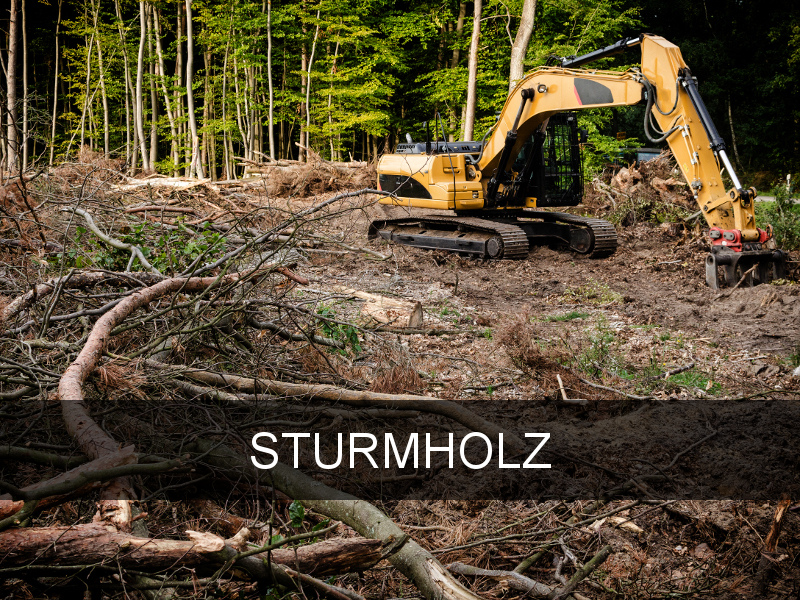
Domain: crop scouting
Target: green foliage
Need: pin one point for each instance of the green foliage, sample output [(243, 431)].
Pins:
[(341, 332), (600, 356), (696, 380), (784, 216), (382, 68), (168, 251), (297, 513)]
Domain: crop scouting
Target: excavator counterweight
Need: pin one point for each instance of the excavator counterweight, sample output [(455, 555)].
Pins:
[(530, 159)]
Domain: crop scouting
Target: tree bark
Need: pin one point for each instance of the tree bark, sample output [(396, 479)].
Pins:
[(55, 89), (271, 118), (308, 89), (103, 94), (472, 80), (173, 131), (520, 46), (139, 113), (196, 167), (420, 566), (153, 97), (11, 89), (128, 87), (94, 543), (25, 123)]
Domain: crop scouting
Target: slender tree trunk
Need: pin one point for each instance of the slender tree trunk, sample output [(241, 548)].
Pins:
[(139, 115), (472, 80), (173, 132), (128, 86), (271, 119), (227, 157), (102, 76), (209, 109), (196, 167), (55, 89), (11, 90), (301, 153), (308, 88), (179, 72), (87, 97), (334, 151), (206, 102), (25, 124), (733, 134), (520, 46), (240, 113), (462, 11), (153, 96)]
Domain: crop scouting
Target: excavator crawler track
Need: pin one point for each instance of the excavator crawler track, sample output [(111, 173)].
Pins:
[(465, 235), (602, 240), (501, 237)]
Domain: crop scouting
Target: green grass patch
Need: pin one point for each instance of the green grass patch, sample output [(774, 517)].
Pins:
[(594, 292), (570, 316), (696, 379)]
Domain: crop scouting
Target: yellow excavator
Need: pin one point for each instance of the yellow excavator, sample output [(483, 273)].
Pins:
[(530, 159)]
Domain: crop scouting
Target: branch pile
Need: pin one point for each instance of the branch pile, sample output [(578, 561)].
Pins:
[(653, 190), (317, 176)]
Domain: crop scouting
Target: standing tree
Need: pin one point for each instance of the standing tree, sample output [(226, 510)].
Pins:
[(472, 81), (195, 167), (11, 90), (520, 46)]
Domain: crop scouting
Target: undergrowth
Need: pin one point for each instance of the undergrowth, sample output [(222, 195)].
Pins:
[(784, 216)]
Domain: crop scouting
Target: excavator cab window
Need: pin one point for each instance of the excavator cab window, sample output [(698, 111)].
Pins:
[(557, 176)]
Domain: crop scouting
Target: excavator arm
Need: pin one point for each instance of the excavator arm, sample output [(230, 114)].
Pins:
[(490, 179)]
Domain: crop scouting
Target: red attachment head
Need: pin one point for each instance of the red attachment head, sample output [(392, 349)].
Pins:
[(730, 238)]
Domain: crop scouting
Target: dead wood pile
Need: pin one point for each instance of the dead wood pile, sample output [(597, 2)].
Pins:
[(316, 176), (653, 190)]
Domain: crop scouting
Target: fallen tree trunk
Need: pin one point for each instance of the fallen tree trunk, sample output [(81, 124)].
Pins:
[(90, 437), (429, 576), (329, 393), (73, 281), (96, 543), (125, 456)]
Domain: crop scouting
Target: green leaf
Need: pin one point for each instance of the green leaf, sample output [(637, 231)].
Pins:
[(297, 513)]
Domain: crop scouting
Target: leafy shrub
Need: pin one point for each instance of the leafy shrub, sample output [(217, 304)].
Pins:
[(784, 216)]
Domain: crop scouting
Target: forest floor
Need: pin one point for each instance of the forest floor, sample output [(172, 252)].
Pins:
[(642, 324)]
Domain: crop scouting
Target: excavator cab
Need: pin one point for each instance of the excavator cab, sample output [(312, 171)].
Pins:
[(557, 179)]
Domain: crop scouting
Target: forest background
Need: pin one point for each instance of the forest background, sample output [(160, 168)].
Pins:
[(190, 87)]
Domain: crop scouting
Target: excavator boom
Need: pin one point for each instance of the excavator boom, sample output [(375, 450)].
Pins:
[(504, 179)]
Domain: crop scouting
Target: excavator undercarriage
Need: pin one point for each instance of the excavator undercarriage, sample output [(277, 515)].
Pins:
[(501, 237)]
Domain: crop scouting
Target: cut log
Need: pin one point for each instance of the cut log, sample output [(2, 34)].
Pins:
[(97, 543), (383, 309)]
